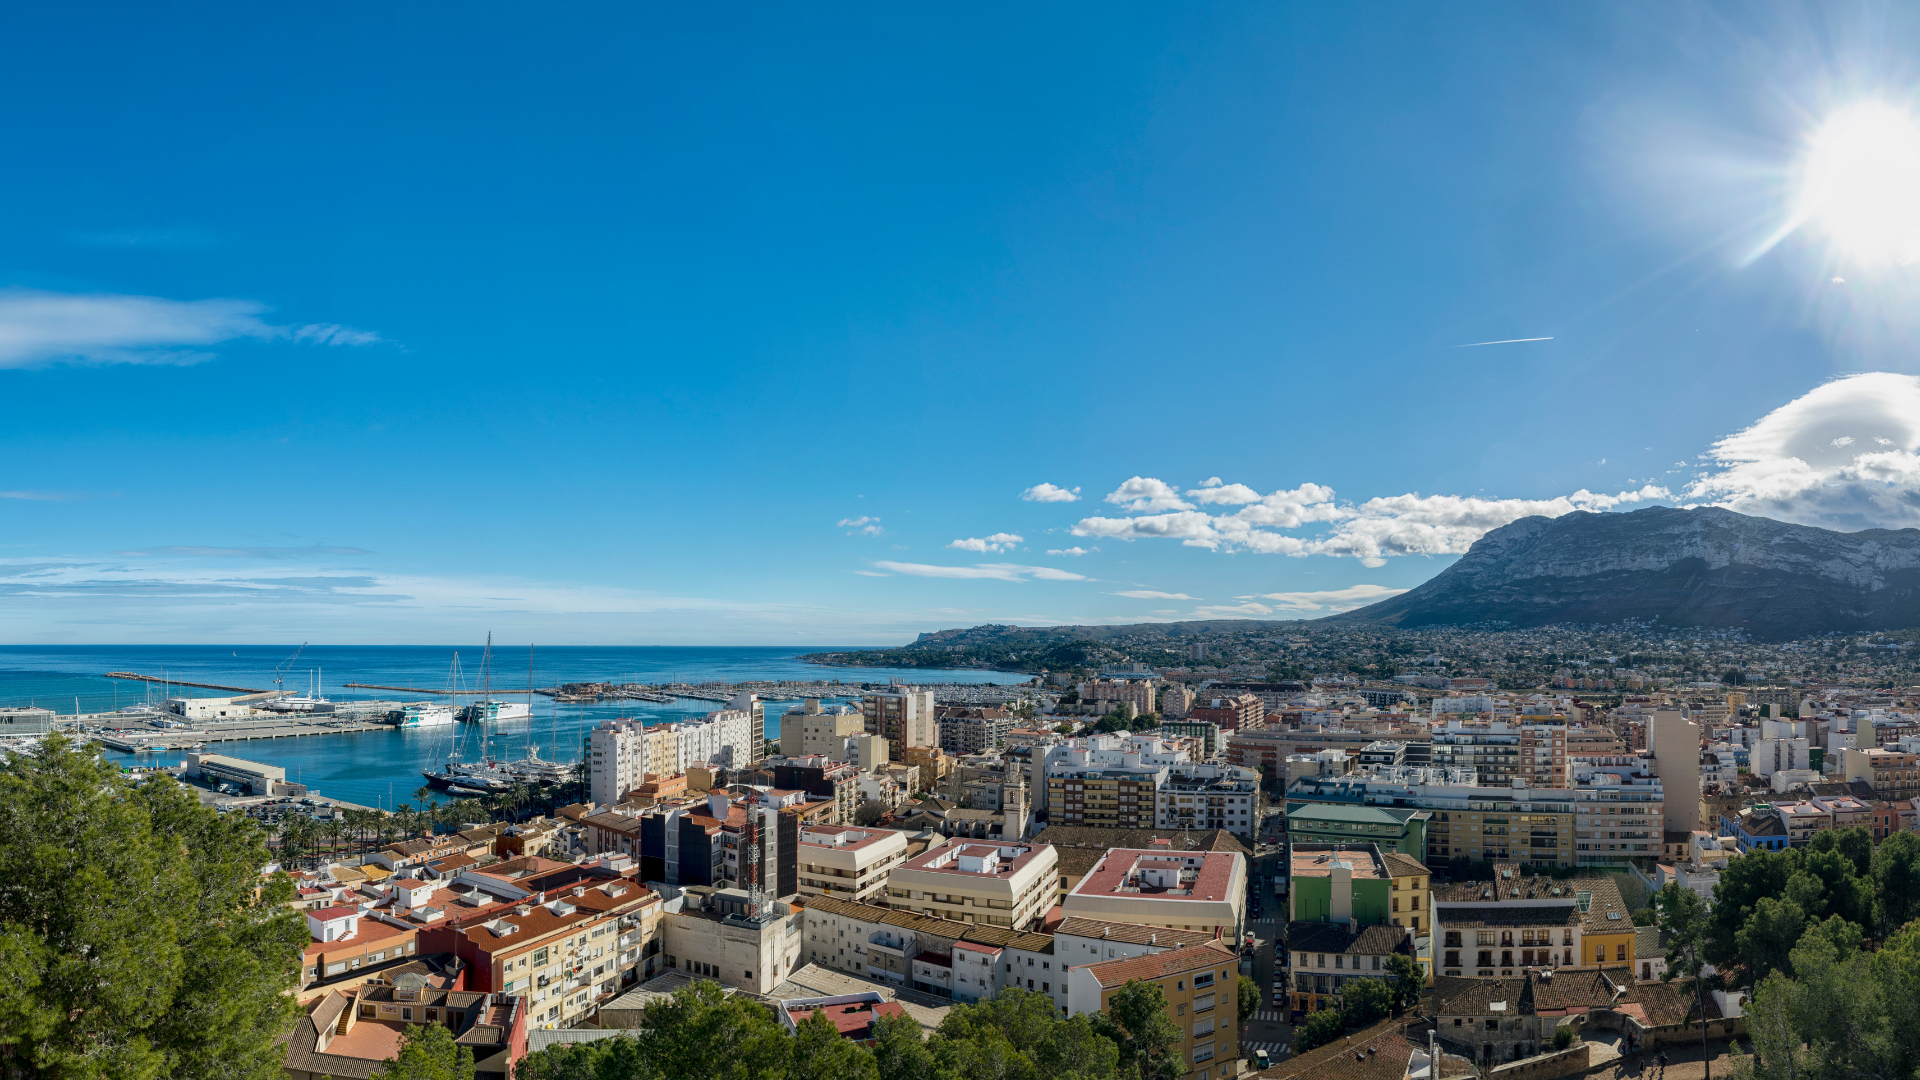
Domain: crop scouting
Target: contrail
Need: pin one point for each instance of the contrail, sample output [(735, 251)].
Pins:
[(1506, 341)]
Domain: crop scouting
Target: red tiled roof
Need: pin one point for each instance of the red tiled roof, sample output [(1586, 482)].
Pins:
[(1160, 965)]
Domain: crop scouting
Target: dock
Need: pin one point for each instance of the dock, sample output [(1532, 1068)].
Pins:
[(177, 682), (496, 692), (133, 739)]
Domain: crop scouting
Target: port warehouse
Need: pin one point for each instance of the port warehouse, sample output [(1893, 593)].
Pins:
[(25, 722), (249, 776)]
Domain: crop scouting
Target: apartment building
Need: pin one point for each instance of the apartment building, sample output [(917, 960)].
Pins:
[(1161, 886), (808, 730), (848, 863), (622, 752), (1894, 774), (1269, 749), (573, 937), (722, 934), (902, 716), (1200, 988), (1004, 884), (822, 778), (1208, 734), (1406, 830), (1521, 921), (1320, 959), (1118, 798), (1140, 693), (1208, 797), (972, 729), (1240, 712), (964, 961), (1175, 701)]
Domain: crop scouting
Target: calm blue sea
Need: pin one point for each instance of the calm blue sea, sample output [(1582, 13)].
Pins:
[(382, 768)]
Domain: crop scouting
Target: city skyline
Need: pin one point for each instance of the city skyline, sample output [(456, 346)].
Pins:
[(671, 328)]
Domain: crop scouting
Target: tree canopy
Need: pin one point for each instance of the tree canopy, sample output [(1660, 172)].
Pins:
[(136, 939)]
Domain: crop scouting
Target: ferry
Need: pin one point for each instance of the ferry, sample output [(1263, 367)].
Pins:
[(493, 712), (424, 714)]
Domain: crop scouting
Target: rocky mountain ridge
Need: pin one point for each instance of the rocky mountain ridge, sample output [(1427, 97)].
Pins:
[(1704, 567)]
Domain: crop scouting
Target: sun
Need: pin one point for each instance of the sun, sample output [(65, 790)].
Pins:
[(1861, 183)]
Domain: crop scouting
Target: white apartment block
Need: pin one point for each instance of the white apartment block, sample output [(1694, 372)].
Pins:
[(622, 752), (1209, 797), (902, 716), (998, 884), (848, 863)]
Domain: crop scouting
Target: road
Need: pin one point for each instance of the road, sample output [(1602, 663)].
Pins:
[(1268, 1029)]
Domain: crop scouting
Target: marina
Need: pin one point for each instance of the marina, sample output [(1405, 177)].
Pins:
[(374, 757)]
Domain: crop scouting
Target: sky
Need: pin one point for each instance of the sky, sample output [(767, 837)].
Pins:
[(634, 324)]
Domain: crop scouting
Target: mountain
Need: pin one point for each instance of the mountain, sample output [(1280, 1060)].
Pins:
[(1705, 567)]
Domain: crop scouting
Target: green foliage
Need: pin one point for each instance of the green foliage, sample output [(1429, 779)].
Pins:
[(1683, 915), (1644, 917), (1364, 1001), (1841, 1015), (1249, 997), (819, 1053), (132, 942), (1766, 900), (1562, 1038), (1896, 879), (1136, 1019), (700, 1032), (427, 1052), (1406, 979), (1318, 1029)]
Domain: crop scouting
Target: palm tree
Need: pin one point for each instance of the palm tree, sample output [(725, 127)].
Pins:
[(514, 798), (423, 794), (389, 829), (335, 829)]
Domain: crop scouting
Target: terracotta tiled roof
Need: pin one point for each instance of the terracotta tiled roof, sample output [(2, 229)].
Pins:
[(933, 926), (1380, 1052), (1320, 937), (1131, 933), (1668, 1002), (1160, 965), (1402, 865)]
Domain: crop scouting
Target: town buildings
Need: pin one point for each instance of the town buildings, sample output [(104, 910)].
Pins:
[(1163, 886), (902, 716), (995, 884), (1199, 985), (848, 863)]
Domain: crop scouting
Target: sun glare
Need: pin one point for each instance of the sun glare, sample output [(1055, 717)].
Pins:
[(1861, 184)]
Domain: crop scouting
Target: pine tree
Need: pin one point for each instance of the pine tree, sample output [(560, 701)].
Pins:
[(136, 938)]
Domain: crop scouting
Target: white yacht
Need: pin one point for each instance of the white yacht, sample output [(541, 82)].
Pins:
[(493, 712), (424, 714)]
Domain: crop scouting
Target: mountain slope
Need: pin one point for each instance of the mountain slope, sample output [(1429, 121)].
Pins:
[(1705, 567)]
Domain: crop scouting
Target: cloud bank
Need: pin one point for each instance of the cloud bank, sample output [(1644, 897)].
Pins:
[(100, 328), (996, 543), (1372, 531), (991, 571), (1050, 493), (1843, 456)]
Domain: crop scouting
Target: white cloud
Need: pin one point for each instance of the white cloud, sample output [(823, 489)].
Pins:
[(1075, 552), (1050, 493), (871, 573), (861, 526), (1843, 456), (986, 571), (1215, 492), (1152, 594), (46, 327), (1410, 524), (1146, 495), (1345, 599), (998, 542), (1247, 610)]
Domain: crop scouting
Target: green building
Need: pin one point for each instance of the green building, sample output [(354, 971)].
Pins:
[(1338, 883), (1393, 828)]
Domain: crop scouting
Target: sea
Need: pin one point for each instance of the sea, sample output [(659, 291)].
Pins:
[(382, 768)]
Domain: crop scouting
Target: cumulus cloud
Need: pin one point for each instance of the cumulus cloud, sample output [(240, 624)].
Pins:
[(1153, 594), (99, 328), (1050, 493), (1844, 456), (1146, 495), (988, 571), (861, 526), (998, 542), (1372, 531), (1345, 599), (1075, 552)]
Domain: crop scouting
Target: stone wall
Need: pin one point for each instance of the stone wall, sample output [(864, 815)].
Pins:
[(1544, 1066)]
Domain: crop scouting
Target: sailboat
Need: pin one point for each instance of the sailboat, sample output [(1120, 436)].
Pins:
[(532, 769), (462, 778), (314, 702), (487, 710)]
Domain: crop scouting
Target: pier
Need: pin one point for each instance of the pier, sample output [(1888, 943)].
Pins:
[(176, 682)]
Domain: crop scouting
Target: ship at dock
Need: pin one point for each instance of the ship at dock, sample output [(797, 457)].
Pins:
[(494, 712), (423, 714)]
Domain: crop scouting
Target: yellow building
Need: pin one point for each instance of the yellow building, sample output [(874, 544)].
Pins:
[(1201, 986), (1410, 900)]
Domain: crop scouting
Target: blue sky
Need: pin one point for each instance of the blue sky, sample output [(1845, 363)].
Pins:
[(595, 323)]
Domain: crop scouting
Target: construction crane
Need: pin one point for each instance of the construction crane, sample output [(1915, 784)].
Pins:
[(287, 663)]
